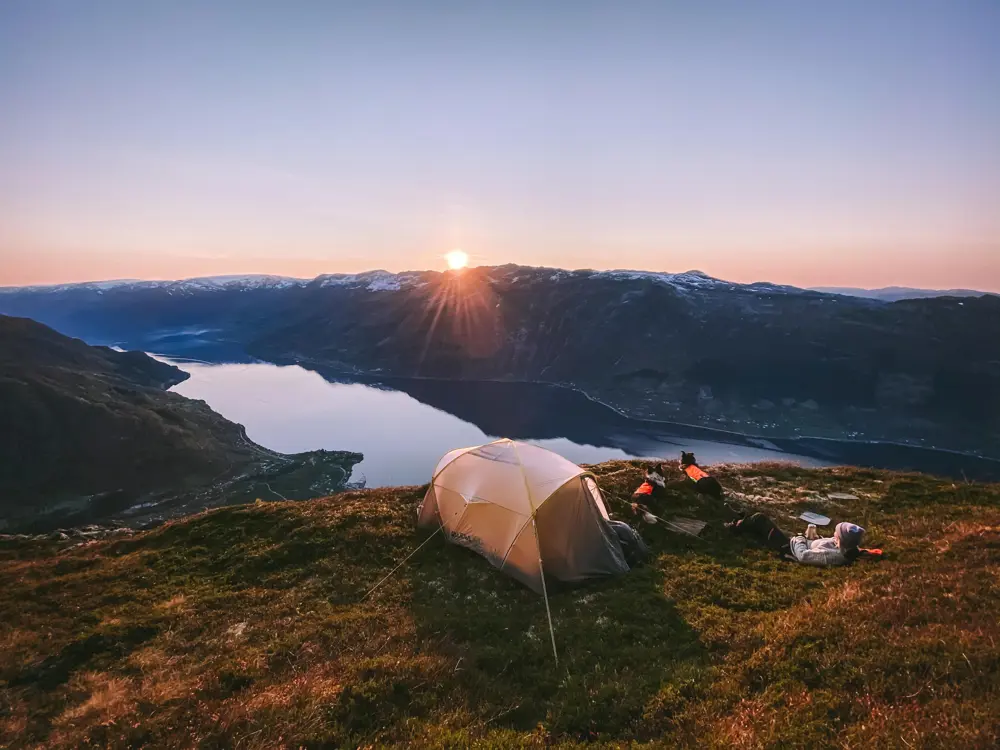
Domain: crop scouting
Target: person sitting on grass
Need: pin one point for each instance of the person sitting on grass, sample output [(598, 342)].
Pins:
[(842, 548)]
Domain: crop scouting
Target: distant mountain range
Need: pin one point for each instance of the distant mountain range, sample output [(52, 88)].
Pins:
[(756, 358), (386, 281), (896, 293)]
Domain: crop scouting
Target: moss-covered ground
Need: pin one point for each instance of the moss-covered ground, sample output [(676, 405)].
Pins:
[(248, 627)]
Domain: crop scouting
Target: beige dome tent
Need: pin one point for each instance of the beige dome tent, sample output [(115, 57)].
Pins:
[(527, 510)]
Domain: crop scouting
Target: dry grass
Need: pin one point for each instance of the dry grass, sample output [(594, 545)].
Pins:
[(246, 627), (103, 699)]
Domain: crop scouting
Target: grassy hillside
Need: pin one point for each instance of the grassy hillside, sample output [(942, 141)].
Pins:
[(246, 627), (78, 420)]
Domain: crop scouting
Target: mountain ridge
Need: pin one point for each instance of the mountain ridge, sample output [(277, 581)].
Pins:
[(752, 358), (254, 280), (85, 420), (896, 293), (86, 432)]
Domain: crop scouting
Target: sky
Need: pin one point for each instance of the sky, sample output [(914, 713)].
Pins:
[(810, 143)]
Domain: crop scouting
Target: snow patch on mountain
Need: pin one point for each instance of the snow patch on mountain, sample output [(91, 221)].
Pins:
[(204, 283), (96, 286), (684, 281), (247, 281), (695, 281), (373, 281)]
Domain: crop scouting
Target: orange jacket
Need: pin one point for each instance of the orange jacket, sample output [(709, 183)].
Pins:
[(695, 473), (644, 489)]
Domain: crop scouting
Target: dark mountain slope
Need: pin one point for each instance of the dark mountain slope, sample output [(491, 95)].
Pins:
[(754, 358), (26, 343), (80, 420)]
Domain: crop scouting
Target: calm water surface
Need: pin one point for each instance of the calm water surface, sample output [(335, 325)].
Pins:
[(404, 426)]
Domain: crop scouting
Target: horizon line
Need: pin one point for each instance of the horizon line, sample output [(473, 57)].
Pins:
[(826, 289)]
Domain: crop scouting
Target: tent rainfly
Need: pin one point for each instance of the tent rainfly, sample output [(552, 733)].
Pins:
[(529, 511)]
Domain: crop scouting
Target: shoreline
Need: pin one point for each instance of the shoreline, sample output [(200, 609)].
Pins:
[(745, 438)]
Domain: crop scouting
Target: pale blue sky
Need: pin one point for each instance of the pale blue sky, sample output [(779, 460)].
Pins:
[(801, 142)]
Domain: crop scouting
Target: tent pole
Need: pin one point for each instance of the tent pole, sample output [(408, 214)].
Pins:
[(538, 547), (545, 593)]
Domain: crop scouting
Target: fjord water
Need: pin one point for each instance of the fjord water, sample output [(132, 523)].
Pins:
[(403, 434)]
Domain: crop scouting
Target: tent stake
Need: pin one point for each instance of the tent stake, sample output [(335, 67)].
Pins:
[(403, 562)]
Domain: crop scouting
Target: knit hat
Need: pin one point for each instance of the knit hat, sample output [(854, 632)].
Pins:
[(848, 535)]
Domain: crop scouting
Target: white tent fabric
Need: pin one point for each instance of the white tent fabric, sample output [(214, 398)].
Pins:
[(527, 510)]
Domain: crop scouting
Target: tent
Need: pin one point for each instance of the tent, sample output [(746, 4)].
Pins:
[(529, 511)]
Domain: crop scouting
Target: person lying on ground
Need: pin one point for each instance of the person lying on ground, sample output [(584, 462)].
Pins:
[(842, 548)]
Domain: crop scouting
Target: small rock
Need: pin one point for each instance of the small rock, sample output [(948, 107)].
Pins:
[(841, 496), (58, 536)]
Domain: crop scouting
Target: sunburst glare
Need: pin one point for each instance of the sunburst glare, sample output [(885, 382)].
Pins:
[(457, 259)]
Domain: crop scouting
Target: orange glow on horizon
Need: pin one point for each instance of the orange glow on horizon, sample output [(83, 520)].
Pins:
[(976, 267)]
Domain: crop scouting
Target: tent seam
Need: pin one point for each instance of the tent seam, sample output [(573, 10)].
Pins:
[(521, 530)]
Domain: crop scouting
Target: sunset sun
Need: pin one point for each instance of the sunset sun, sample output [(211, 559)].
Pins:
[(457, 259)]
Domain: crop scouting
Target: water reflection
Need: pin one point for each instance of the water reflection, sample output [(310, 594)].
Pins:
[(404, 426)]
